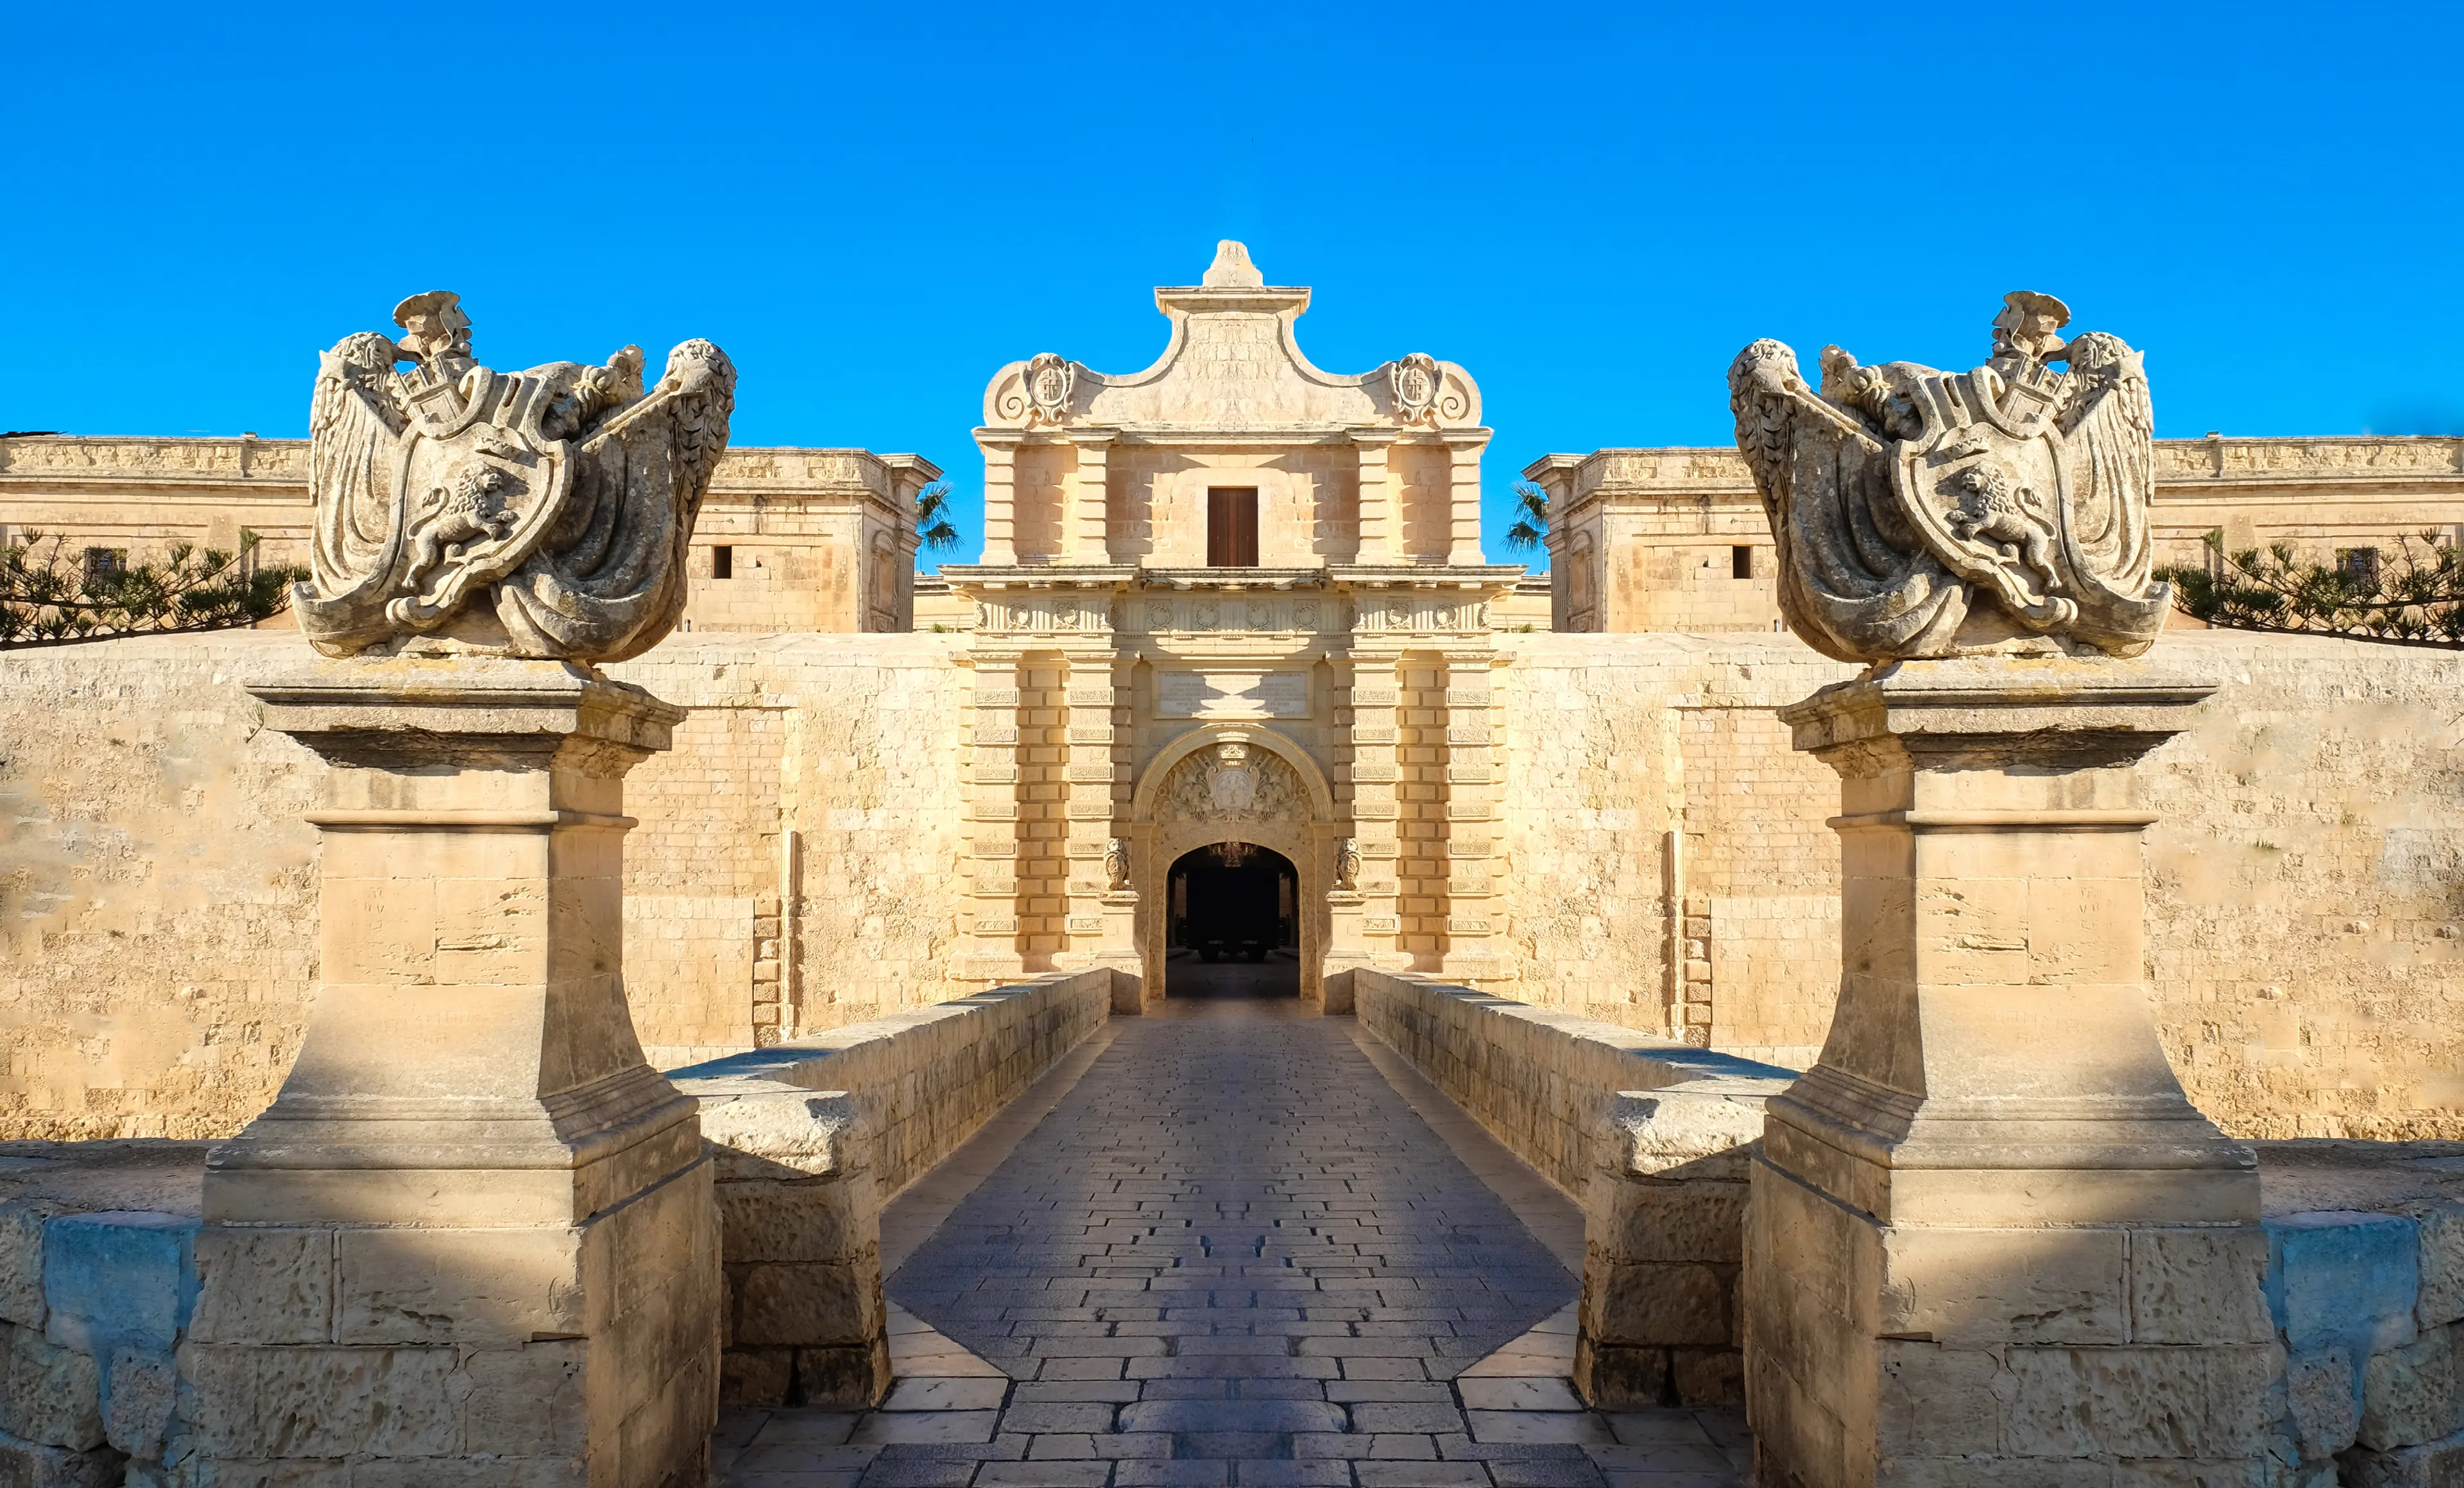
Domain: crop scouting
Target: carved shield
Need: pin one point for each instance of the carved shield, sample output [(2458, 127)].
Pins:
[(480, 485)]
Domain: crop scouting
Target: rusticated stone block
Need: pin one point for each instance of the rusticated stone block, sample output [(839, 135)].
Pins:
[(797, 1220), (115, 1279), (271, 1285), (1995, 1286), (2343, 1278), (1644, 1219), (2410, 1395), (1659, 1305), (50, 1395), (804, 1303), (291, 1403), (2199, 1286)]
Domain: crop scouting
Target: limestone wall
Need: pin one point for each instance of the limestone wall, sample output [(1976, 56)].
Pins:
[(2306, 889), (157, 880)]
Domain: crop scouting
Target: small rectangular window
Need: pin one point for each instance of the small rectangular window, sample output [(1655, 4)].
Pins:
[(2359, 565), (103, 565), (722, 562), (1741, 562), (1232, 527)]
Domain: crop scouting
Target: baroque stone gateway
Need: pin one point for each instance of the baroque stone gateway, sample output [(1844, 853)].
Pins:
[(659, 962)]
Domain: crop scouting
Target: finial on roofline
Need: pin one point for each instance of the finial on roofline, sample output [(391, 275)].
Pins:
[(1232, 268)]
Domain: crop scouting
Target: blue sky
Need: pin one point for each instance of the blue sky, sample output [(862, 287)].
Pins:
[(1592, 208)]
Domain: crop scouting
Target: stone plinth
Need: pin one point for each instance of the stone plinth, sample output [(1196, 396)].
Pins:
[(1988, 1225), (474, 1224)]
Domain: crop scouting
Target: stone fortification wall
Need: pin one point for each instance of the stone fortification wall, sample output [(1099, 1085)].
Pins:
[(158, 889), (2303, 898), (1651, 1135)]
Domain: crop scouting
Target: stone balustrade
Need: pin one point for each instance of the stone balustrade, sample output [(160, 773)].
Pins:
[(1652, 1136), (812, 1137)]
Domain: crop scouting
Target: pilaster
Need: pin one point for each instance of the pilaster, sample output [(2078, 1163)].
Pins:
[(989, 939), (1000, 494), (1096, 810), (1374, 773), (1473, 932), (1381, 523), (1086, 540), (1463, 449)]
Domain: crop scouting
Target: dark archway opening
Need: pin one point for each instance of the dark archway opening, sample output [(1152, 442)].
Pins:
[(1233, 923)]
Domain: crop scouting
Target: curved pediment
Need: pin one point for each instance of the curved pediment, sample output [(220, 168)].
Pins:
[(1232, 364)]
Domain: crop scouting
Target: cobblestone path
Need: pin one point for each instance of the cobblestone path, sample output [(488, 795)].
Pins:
[(1234, 1257)]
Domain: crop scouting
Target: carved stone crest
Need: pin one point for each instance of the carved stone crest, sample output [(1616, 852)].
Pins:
[(537, 513), (1923, 514), (1230, 784), (1232, 781), (1415, 384), (1050, 380)]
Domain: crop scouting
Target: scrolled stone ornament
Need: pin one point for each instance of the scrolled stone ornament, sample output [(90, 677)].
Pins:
[(543, 513), (1927, 514)]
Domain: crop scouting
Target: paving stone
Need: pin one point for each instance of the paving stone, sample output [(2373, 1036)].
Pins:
[(923, 1426)]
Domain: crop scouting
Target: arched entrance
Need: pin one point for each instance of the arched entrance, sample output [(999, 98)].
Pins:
[(1232, 923), (1225, 783)]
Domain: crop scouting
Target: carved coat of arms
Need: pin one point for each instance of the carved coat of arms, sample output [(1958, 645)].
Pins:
[(1231, 785), (1921, 513), (1050, 380), (539, 514), (1415, 381)]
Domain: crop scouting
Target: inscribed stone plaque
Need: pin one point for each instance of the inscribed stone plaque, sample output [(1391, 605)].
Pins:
[(1223, 695)]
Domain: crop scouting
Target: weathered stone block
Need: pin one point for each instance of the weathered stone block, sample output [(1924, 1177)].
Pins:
[(33, 1464), (140, 1391), (851, 1376), (2323, 1401), (799, 1220), (525, 1402), (2199, 1286), (2436, 1464), (303, 1402), (1660, 1304), (1615, 1377), (50, 1395), (2340, 1277), (1936, 1401), (2442, 1265), (755, 1376), (118, 1280), (1708, 1376), (402, 1285), (2161, 1403), (1648, 1220), (804, 1303), (21, 1264), (1997, 1287), (270, 1286), (2410, 1395)]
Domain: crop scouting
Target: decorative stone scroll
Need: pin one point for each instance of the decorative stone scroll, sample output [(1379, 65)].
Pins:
[(543, 513), (1929, 514)]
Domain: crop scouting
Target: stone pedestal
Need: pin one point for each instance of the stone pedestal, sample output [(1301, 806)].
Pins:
[(474, 1226), (1347, 947), (1119, 951), (1987, 1230)]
